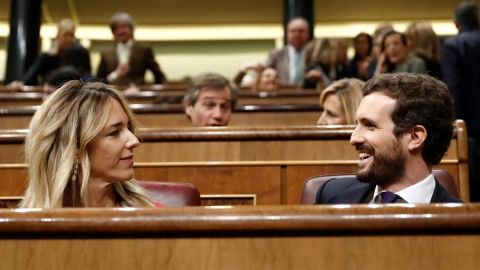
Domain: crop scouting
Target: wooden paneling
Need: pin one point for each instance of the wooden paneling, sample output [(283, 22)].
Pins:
[(154, 12), (13, 180), (263, 181), (172, 115), (280, 237), (270, 162)]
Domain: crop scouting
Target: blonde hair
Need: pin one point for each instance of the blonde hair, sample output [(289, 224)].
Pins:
[(349, 92), (58, 134), (318, 51), (424, 39), (65, 24)]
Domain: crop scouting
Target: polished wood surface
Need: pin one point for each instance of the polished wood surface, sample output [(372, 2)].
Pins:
[(270, 162), (175, 96), (322, 219), (172, 115), (262, 237)]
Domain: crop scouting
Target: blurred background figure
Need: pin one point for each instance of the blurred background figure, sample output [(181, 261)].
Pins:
[(358, 65), (54, 59), (248, 75), (461, 73), (127, 61), (340, 58), (289, 61), (340, 101), (268, 81), (377, 38), (319, 63), (210, 100), (395, 56), (425, 44)]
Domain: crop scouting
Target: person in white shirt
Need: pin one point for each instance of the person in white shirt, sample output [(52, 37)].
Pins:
[(404, 125), (289, 61)]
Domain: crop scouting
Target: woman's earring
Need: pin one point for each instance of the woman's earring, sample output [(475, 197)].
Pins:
[(74, 180), (75, 170)]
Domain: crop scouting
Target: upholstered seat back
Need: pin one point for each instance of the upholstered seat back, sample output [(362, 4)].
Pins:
[(172, 193)]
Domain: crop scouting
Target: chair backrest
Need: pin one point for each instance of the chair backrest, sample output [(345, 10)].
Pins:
[(313, 184), (172, 193)]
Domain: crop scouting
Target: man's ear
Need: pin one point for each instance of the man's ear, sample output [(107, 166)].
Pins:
[(188, 109), (418, 135)]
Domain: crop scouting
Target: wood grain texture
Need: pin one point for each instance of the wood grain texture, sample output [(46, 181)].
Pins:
[(270, 162), (272, 237)]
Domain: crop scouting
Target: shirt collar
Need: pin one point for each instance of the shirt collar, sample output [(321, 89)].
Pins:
[(128, 45), (420, 192)]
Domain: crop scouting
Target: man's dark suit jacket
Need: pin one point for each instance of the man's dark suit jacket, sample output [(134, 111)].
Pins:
[(351, 191), (461, 73), (141, 59)]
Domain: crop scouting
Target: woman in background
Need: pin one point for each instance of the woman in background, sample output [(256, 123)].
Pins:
[(268, 81), (358, 66), (425, 44), (79, 150), (340, 101), (395, 56), (319, 63), (49, 61)]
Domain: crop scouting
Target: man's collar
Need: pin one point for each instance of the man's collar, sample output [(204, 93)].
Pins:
[(421, 192)]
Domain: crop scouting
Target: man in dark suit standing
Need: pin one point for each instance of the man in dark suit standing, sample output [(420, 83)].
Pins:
[(126, 62), (461, 72), (404, 127)]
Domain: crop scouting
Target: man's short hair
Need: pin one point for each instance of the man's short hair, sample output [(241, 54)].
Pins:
[(466, 15), (299, 18), (211, 81), (121, 17), (420, 100)]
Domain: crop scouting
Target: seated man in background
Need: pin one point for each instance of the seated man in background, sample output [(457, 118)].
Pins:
[(126, 61), (404, 127), (210, 100)]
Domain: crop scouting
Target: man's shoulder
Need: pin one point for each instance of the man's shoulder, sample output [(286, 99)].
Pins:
[(463, 37), (279, 51), (140, 46), (108, 49), (337, 187)]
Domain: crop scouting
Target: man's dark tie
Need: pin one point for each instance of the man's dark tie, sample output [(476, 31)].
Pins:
[(389, 197)]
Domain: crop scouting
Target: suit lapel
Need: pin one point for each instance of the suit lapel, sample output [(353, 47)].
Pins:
[(440, 195), (359, 193)]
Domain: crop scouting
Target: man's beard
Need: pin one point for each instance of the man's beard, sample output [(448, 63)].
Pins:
[(385, 168)]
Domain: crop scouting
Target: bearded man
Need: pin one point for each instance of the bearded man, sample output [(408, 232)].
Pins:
[(404, 125)]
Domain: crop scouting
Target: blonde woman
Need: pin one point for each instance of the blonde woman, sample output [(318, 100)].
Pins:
[(340, 101), (49, 61), (319, 63), (425, 44), (79, 150)]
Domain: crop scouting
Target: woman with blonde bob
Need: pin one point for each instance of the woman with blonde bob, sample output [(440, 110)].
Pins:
[(79, 150), (340, 102)]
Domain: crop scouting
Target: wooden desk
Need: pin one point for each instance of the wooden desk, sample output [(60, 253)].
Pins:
[(174, 96), (263, 237), (269, 164), (172, 115)]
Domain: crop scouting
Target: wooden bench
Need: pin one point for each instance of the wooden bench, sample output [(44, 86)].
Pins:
[(262, 237), (262, 165), (300, 96), (163, 115)]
